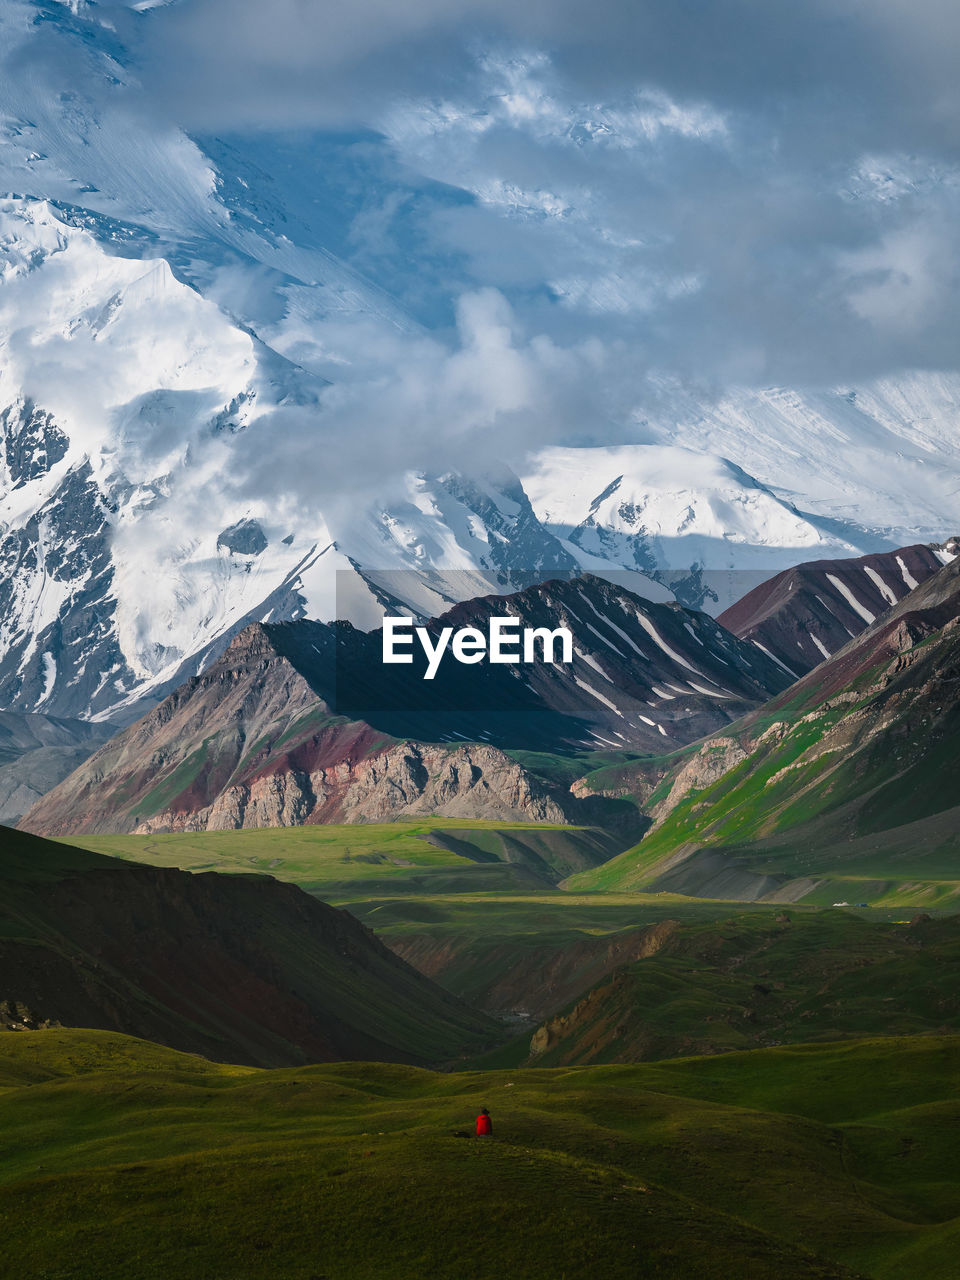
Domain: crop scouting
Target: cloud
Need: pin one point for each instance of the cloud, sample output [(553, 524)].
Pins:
[(405, 401), (727, 192), (885, 69), (693, 234)]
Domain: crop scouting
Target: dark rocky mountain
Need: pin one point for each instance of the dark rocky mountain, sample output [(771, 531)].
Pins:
[(804, 615), (644, 676), (843, 787), (37, 752), (236, 968), (301, 722)]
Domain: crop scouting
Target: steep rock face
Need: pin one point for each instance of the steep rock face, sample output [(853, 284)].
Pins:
[(712, 761), (119, 575), (238, 968), (32, 442), (804, 615), (59, 652), (516, 539), (406, 780), (649, 942)]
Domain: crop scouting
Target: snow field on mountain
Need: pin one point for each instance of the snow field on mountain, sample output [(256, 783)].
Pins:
[(130, 361)]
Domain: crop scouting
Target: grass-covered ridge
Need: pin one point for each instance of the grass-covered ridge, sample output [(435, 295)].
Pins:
[(847, 791), (238, 968), (122, 1159), (755, 979)]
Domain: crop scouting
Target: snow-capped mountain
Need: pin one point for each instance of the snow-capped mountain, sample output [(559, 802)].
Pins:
[(760, 483), (174, 457), (123, 393)]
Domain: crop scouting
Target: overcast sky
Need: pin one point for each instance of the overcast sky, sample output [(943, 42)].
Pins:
[(738, 190), (571, 206)]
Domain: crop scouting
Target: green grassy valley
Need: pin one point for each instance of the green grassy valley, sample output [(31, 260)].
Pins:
[(523, 950), (417, 856), (824, 1161)]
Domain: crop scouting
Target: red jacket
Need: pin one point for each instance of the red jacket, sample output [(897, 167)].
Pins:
[(484, 1125)]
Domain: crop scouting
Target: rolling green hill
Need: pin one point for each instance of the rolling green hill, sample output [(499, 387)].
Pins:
[(833, 1162), (239, 968)]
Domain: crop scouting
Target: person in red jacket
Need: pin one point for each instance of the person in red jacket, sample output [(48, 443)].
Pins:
[(484, 1124)]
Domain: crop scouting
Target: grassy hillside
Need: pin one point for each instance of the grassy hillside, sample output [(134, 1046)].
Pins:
[(239, 968), (520, 952), (751, 980), (492, 933), (122, 1159), (526, 956)]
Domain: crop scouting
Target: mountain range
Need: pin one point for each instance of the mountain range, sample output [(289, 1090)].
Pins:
[(108, 602), (840, 787), (164, 331), (301, 722)]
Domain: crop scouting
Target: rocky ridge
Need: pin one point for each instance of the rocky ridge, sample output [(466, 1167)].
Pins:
[(851, 766), (301, 722), (803, 616)]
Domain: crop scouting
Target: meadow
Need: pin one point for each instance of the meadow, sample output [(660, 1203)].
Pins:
[(439, 859), (425, 856), (496, 933), (120, 1158)]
